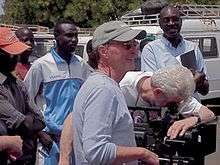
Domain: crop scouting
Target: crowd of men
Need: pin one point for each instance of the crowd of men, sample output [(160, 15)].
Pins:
[(84, 118)]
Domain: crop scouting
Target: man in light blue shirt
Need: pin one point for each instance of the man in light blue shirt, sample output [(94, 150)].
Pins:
[(167, 50), (102, 125)]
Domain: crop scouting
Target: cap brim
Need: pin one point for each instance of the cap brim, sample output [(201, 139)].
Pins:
[(131, 34), (15, 48)]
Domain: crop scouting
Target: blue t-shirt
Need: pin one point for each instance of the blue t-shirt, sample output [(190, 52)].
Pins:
[(101, 121)]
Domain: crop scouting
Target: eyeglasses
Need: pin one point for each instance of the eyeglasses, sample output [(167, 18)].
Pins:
[(130, 44), (127, 45)]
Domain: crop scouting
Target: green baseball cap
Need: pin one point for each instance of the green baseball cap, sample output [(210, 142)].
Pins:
[(117, 31)]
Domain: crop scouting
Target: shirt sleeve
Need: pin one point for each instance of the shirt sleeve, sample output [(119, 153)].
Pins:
[(148, 60), (100, 112), (189, 107), (33, 81), (38, 120), (11, 117)]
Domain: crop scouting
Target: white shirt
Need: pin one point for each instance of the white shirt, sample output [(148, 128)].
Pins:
[(129, 88)]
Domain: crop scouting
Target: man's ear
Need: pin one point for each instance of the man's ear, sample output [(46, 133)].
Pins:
[(103, 51), (158, 92)]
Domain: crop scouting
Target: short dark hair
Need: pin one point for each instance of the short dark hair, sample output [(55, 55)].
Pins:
[(169, 7), (142, 44), (56, 31), (92, 54), (19, 32)]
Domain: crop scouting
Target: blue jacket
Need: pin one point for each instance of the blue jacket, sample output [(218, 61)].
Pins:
[(60, 83)]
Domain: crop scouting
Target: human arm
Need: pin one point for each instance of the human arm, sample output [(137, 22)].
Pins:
[(202, 84), (33, 82), (103, 106), (148, 59), (33, 117), (13, 119), (66, 141), (127, 154), (12, 145), (45, 140), (195, 111)]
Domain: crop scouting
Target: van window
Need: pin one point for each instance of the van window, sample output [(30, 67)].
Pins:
[(42, 46), (79, 50), (207, 45)]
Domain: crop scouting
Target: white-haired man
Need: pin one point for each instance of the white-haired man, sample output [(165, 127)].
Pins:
[(174, 84)]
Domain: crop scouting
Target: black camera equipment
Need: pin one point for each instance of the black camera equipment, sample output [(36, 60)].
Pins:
[(190, 149)]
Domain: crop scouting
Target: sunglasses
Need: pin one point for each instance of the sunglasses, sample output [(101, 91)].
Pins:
[(127, 45)]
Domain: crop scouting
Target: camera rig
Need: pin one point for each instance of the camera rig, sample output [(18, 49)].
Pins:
[(151, 125)]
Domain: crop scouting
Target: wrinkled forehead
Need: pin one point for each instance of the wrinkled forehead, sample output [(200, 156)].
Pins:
[(169, 12)]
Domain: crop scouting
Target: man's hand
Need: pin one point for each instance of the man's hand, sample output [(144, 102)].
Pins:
[(181, 126), (45, 140), (202, 85), (14, 146), (150, 157)]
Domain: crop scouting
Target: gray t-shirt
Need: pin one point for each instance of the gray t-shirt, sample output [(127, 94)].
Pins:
[(101, 121)]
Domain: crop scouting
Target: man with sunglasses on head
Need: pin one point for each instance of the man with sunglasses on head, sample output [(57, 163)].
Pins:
[(171, 85), (103, 128), (168, 50)]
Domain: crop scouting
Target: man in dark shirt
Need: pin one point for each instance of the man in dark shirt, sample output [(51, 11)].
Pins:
[(15, 112)]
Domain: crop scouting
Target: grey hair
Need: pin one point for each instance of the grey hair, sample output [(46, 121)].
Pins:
[(175, 81)]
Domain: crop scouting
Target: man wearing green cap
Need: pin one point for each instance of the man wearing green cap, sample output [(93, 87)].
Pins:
[(102, 125)]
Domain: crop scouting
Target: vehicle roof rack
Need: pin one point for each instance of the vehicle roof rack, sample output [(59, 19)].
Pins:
[(200, 11), (34, 28), (12, 27), (37, 29), (187, 12), (86, 31)]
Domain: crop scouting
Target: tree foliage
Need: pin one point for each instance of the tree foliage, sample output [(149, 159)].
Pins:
[(199, 2), (86, 13)]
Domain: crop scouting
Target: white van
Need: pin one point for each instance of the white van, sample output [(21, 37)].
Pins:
[(44, 42)]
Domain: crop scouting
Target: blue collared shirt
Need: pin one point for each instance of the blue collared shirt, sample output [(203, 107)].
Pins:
[(160, 53)]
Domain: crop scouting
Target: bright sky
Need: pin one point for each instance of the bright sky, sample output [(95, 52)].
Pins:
[(1, 10)]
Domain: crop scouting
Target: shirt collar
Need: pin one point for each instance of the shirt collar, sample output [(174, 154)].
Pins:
[(2, 78), (167, 42), (59, 60)]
